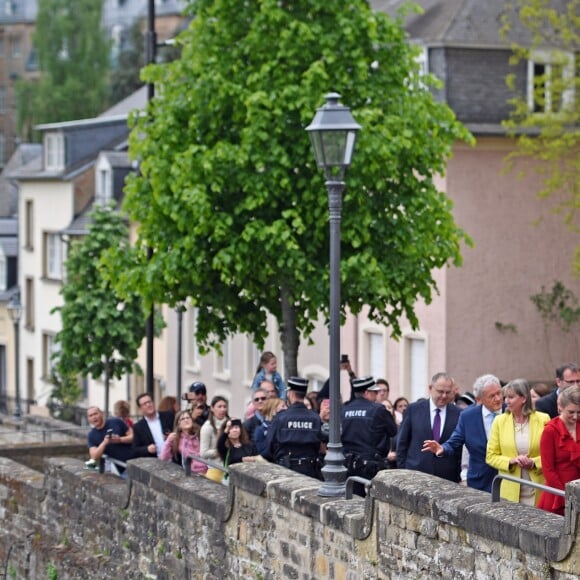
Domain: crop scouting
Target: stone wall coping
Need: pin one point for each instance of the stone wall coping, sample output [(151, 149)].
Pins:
[(532, 530)]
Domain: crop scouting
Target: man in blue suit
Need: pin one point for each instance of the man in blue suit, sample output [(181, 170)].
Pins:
[(473, 430), (434, 418)]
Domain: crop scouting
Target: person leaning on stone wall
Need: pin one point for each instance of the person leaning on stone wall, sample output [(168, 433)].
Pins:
[(110, 437)]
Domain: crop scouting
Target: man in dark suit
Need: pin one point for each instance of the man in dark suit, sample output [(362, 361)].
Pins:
[(150, 432), (473, 429), (566, 376), (434, 418)]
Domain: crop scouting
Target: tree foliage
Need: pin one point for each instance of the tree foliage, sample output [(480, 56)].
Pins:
[(101, 332), (230, 200), (548, 133), (73, 56)]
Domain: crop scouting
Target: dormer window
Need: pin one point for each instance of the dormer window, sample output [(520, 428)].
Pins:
[(103, 181), (550, 81), (54, 152)]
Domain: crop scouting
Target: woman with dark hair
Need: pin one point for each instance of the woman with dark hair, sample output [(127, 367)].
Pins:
[(560, 449), (514, 443), (538, 391), (234, 445), (267, 370), (183, 442), (218, 415), (399, 407)]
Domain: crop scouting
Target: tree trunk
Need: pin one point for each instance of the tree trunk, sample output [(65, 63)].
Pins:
[(289, 334), (107, 380)]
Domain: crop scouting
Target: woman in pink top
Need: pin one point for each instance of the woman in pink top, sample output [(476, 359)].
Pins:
[(183, 442)]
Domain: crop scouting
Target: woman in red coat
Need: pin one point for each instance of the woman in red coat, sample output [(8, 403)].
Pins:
[(560, 449)]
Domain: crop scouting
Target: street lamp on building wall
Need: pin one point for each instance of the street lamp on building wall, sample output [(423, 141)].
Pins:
[(333, 133), (15, 311)]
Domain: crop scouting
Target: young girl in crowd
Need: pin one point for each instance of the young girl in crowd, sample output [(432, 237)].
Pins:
[(183, 442), (267, 370), (218, 415)]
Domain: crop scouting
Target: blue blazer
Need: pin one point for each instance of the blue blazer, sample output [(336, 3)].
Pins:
[(416, 428), (470, 431)]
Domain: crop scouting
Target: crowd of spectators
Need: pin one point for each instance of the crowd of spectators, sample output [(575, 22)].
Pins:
[(530, 432)]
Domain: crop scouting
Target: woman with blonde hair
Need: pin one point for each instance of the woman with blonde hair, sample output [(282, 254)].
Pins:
[(560, 449), (514, 443), (269, 411), (183, 442)]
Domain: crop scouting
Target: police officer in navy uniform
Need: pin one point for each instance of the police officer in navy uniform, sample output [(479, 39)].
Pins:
[(367, 428), (294, 436)]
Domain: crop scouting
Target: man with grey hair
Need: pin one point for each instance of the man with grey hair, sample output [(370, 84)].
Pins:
[(473, 429)]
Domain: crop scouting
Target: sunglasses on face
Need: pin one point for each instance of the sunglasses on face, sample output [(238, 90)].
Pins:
[(260, 399)]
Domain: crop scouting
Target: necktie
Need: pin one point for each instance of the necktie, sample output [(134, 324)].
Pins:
[(437, 425)]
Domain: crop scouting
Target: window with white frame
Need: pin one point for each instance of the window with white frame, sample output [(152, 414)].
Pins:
[(252, 359), (3, 154), (29, 303), (193, 360), (49, 348), (103, 186), (415, 352), (29, 224), (550, 81), (376, 354), (223, 361), (3, 271), (54, 152), (53, 257)]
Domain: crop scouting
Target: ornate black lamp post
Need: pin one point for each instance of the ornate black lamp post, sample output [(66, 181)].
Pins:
[(15, 311), (333, 133)]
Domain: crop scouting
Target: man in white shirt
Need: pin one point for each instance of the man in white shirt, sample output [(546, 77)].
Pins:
[(150, 432)]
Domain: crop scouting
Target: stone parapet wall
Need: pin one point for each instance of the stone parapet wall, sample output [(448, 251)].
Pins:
[(269, 523)]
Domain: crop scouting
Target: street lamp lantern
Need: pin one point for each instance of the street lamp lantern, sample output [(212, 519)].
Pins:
[(15, 308), (333, 133), (15, 311)]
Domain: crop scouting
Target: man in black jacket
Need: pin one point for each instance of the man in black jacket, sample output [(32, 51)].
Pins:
[(150, 432), (566, 376)]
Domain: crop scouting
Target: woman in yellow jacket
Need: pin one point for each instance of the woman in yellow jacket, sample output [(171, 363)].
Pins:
[(514, 443)]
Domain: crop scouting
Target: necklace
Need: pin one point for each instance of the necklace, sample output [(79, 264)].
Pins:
[(519, 424)]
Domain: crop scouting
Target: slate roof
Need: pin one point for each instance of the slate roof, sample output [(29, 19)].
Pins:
[(460, 22)]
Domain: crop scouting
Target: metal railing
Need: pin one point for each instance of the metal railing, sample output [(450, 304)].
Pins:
[(24, 435), (207, 462), (496, 485), (103, 462), (350, 481)]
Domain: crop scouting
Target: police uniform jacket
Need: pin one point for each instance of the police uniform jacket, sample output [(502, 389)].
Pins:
[(367, 428), (294, 432)]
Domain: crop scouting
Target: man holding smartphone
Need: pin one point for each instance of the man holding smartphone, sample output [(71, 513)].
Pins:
[(110, 437)]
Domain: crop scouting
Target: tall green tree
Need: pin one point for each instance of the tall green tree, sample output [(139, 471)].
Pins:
[(101, 332), (547, 133), (228, 196), (73, 57)]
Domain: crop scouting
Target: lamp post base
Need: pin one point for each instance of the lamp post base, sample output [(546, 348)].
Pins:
[(334, 473)]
